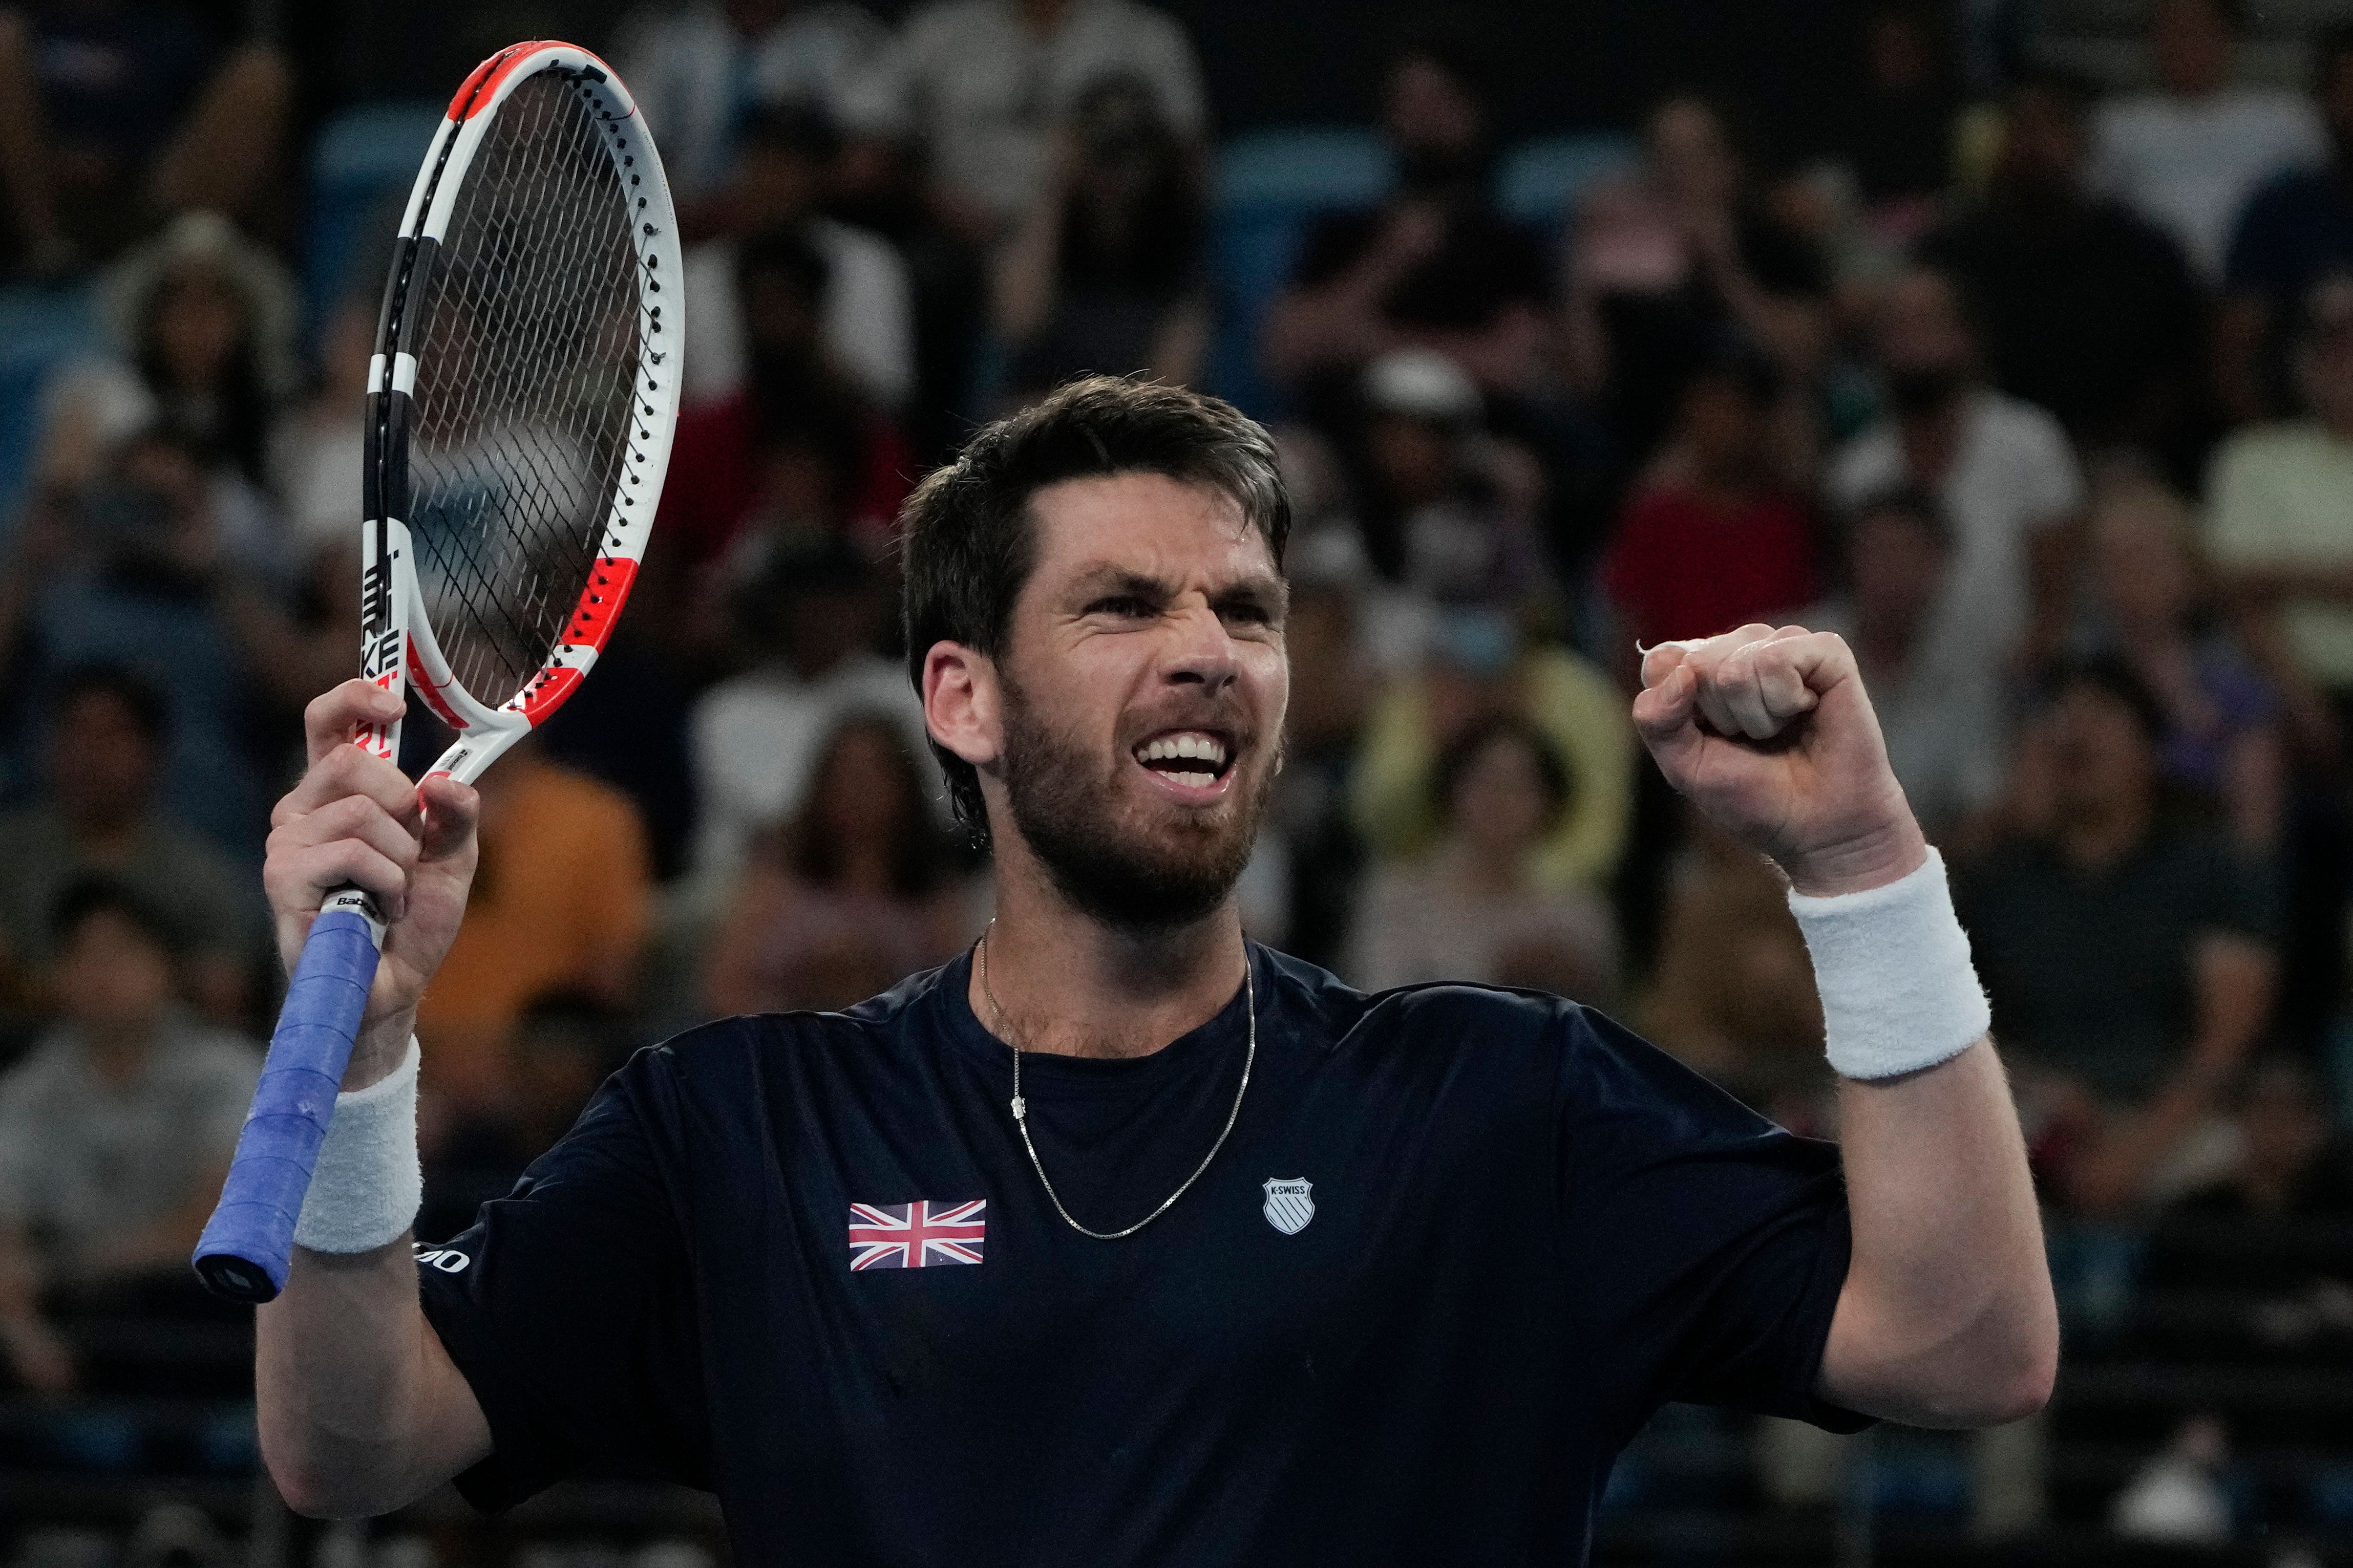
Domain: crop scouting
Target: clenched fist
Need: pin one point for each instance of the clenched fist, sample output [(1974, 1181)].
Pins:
[(356, 818), (1771, 734)]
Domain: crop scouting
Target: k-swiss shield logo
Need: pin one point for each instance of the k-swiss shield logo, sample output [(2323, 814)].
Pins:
[(1290, 1205)]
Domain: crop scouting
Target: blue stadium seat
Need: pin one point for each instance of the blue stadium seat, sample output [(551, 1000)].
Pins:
[(363, 160), (1269, 186), (1312, 169), (1539, 183)]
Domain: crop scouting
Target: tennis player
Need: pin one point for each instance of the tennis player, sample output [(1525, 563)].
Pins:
[(1220, 1261)]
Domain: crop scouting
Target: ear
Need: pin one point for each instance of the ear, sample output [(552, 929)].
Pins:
[(960, 702)]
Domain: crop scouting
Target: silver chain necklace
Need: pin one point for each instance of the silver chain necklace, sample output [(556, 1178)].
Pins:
[(1021, 1107)]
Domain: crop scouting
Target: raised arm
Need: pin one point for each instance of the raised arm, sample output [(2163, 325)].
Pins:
[(1947, 1318), (361, 1410)]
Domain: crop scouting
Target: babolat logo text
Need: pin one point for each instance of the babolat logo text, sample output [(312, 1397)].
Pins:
[(381, 655), (447, 1259)]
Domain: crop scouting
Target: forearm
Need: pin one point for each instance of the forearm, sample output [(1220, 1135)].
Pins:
[(1948, 1288), (361, 1410)]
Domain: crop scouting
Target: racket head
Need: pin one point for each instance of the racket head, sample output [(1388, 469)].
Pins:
[(521, 400)]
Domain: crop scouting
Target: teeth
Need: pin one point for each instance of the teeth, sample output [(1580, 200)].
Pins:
[(1190, 744), (1194, 781)]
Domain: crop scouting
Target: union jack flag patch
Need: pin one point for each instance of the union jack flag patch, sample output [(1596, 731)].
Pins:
[(916, 1236)]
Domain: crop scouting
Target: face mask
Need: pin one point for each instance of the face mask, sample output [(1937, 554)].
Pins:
[(1924, 390)]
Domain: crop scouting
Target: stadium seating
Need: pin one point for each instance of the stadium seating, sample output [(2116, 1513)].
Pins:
[(1269, 187)]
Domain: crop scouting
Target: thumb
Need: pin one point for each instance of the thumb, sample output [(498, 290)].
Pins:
[(1665, 715), (451, 810)]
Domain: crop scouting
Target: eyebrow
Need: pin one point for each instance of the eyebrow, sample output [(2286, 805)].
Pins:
[(1266, 588)]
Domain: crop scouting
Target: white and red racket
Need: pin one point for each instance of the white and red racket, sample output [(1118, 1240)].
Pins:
[(520, 408)]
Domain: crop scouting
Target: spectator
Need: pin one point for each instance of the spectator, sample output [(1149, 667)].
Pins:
[(2279, 521), (298, 644), (2187, 155), (1331, 688), (2296, 230), (116, 113), (1712, 539), (1434, 267), (816, 619), (1105, 273), (2129, 955), (115, 1131), (1947, 729), (2155, 609), (1733, 992), (203, 320), (132, 572), (315, 456), (865, 307), (107, 739), (2260, 1242), (2088, 310), (856, 892), (564, 1043), (797, 449), (1480, 665), (2001, 469), (703, 74), (2293, 1162), (1472, 908), (1442, 507), (1662, 269), (979, 85), (561, 903), (1896, 136)]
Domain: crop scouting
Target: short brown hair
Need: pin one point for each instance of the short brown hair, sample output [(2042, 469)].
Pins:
[(969, 540)]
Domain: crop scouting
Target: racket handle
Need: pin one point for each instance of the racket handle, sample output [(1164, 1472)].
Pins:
[(249, 1241)]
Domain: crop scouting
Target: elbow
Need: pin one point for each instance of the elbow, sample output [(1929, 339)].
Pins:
[(316, 1488), (2015, 1380), (314, 1496), (2023, 1391), (1999, 1365)]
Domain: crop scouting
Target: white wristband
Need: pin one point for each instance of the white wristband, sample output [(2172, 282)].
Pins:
[(368, 1185), (1892, 964)]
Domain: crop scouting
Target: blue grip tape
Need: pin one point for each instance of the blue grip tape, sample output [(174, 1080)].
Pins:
[(249, 1240)]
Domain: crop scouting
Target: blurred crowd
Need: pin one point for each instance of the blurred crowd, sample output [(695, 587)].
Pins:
[(2038, 389)]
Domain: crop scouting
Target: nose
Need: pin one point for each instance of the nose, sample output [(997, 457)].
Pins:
[(1201, 651)]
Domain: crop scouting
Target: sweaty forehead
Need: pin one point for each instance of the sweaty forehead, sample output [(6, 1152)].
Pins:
[(1146, 524)]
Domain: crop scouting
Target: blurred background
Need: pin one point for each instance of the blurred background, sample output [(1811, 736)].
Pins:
[(2012, 339)]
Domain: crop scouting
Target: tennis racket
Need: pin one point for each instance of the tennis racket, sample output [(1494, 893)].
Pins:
[(520, 406)]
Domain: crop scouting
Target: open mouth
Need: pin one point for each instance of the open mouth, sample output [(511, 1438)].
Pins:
[(1191, 760)]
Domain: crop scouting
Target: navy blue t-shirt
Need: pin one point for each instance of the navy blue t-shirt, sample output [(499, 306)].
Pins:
[(1461, 1244)]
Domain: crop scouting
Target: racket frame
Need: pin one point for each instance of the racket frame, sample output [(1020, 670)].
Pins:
[(399, 650), (247, 1249)]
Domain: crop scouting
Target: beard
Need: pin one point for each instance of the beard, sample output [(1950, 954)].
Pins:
[(1123, 874)]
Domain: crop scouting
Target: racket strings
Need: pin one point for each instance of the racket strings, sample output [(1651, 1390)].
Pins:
[(528, 366)]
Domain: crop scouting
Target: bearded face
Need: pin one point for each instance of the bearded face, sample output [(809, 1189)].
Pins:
[(1140, 696), (1131, 863)]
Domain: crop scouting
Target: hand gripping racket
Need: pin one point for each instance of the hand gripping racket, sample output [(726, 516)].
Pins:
[(520, 406)]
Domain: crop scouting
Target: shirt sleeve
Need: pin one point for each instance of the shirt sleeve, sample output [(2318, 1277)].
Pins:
[(568, 1307), (1716, 1242)]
